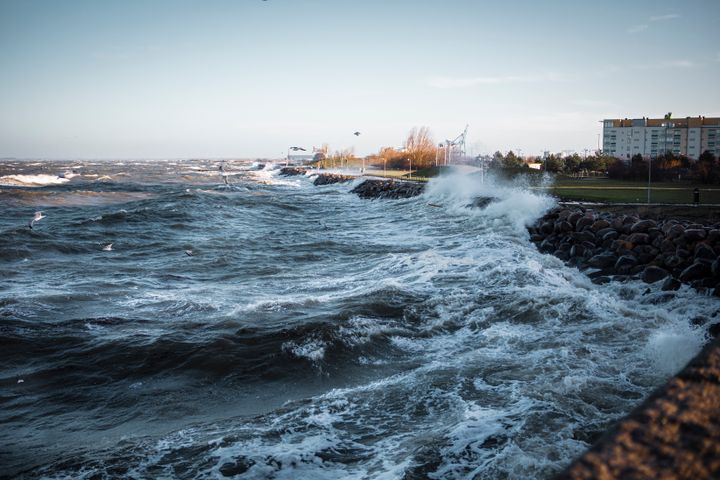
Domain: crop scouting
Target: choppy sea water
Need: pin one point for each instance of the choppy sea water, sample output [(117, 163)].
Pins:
[(310, 334)]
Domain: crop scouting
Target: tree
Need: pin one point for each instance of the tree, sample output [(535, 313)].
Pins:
[(420, 147), (573, 163), (638, 167), (707, 168), (554, 163), (512, 161)]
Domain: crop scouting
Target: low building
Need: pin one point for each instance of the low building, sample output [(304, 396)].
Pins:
[(651, 137)]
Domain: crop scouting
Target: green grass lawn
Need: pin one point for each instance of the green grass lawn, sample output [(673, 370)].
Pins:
[(616, 191)]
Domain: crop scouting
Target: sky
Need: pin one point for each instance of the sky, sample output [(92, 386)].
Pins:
[(249, 78)]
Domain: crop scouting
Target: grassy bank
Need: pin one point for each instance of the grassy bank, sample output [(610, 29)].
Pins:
[(615, 191)]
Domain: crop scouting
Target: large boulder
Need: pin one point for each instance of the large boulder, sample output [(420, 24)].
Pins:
[(695, 271), (639, 238), (642, 226), (584, 222), (695, 234), (602, 260), (292, 171), (653, 274), (703, 250), (625, 263), (670, 283)]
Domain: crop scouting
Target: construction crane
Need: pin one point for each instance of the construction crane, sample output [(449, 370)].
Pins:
[(450, 146)]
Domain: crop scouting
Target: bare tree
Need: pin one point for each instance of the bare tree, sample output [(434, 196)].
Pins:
[(420, 147)]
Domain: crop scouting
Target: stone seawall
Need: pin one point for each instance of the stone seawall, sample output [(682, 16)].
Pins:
[(621, 247)]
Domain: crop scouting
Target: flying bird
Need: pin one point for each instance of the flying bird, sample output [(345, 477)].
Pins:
[(189, 253), (38, 216), (357, 134), (108, 247)]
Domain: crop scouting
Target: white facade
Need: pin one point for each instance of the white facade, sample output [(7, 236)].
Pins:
[(653, 137)]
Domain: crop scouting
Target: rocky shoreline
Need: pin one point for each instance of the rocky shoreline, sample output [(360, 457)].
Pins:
[(330, 178), (293, 171), (619, 247), (388, 189)]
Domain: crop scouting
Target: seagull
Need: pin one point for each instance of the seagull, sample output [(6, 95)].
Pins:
[(357, 134), (38, 216), (189, 253), (107, 247)]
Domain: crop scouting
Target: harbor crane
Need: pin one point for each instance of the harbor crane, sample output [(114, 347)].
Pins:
[(457, 144)]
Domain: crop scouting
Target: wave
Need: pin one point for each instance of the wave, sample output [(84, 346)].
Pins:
[(37, 180)]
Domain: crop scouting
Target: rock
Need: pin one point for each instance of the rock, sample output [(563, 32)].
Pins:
[(715, 268), (714, 330), (583, 237), (564, 214), (547, 227), (620, 246), (584, 222), (602, 232), (675, 231), (291, 171), (599, 225), (639, 238), (482, 202), (667, 246), (602, 260), (713, 236), (670, 283), (330, 178), (695, 234), (577, 251), (388, 189), (642, 226), (547, 246), (574, 217), (653, 274), (695, 271), (563, 227), (602, 280), (625, 263), (673, 261), (703, 250)]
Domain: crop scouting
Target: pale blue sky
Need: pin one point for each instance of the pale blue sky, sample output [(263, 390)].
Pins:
[(248, 78)]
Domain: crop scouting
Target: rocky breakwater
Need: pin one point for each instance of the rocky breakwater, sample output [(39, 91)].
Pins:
[(292, 171), (388, 189), (330, 178), (621, 247)]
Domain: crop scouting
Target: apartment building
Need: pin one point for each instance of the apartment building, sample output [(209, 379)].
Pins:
[(651, 137)]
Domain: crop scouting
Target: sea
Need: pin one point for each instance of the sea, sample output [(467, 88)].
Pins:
[(202, 319)]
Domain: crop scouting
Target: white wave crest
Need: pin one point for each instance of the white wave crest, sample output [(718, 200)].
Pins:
[(516, 203), (38, 180)]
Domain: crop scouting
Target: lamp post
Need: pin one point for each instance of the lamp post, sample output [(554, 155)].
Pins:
[(649, 170)]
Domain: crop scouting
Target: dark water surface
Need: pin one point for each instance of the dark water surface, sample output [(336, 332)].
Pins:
[(310, 334)]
